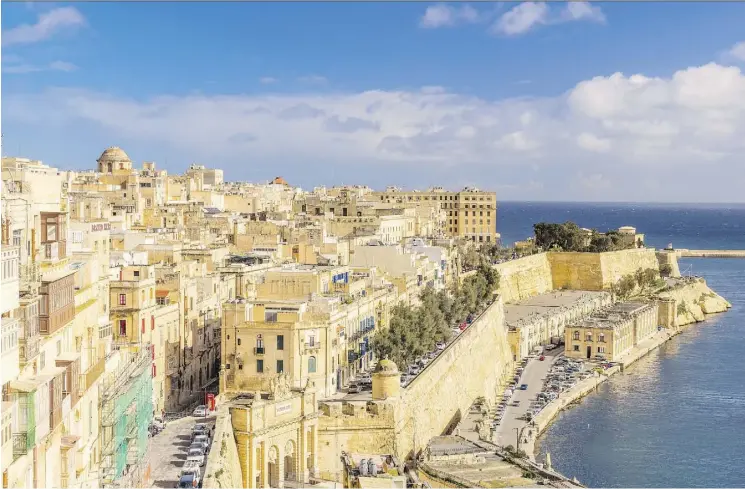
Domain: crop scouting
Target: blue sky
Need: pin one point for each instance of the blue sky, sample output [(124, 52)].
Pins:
[(605, 101)]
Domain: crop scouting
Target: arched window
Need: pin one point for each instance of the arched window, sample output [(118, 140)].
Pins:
[(576, 335), (312, 365)]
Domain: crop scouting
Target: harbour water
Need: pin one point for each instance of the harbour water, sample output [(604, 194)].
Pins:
[(675, 418)]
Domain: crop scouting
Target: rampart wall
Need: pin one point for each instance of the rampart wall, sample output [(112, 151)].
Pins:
[(524, 277), (597, 271), (223, 469), (356, 427), (475, 365)]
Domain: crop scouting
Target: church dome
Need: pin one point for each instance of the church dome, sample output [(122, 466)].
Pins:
[(279, 181), (113, 158)]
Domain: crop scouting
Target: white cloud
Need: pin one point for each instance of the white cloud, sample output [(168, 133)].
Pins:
[(267, 80), (443, 15), (522, 18), (679, 124), (48, 24), (737, 52), (591, 142), (582, 11), (529, 15), (20, 68)]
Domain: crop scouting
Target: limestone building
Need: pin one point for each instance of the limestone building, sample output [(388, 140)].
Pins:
[(471, 213), (276, 434), (612, 332)]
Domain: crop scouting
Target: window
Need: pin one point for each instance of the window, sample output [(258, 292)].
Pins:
[(576, 347), (312, 365), (152, 323), (601, 349), (601, 337), (122, 299), (17, 237), (259, 342), (588, 336), (259, 366), (122, 327), (576, 335), (143, 325), (280, 342), (280, 366), (239, 341), (137, 273)]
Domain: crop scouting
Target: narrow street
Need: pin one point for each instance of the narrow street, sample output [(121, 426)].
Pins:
[(168, 450), (533, 375)]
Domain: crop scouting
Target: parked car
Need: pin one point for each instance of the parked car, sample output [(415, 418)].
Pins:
[(541, 358), (201, 411), (198, 446), (441, 346), (195, 456), (523, 387), (204, 441), (200, 429), (159, 423), (355, 388), (193, 469), (187, 481)]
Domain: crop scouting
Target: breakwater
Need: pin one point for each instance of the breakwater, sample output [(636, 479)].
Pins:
[(711, 253)]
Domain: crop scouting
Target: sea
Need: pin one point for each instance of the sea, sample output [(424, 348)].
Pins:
[(677, 417)]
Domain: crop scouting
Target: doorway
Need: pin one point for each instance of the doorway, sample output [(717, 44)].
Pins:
[(589, 352)]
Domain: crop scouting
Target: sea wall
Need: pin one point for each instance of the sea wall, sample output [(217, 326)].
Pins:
[(223, 469), (694, 300), (524, 277), (597, 271), (475, 365)]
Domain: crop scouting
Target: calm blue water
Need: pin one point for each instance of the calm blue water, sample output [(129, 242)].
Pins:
[(677, 417), (692, 226)]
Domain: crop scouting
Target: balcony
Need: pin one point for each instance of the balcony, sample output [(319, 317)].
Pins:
[(30, 277), (312, 346), (259, 350), (29, 349), (51, 251), (91, 375), (20, 445)]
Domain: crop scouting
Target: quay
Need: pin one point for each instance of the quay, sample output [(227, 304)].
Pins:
[(711, 253)]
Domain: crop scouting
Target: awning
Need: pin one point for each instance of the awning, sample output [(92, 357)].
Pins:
[(161, 293)]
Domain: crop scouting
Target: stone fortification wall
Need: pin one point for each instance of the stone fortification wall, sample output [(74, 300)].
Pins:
[(223, 469), (577, 271), (475, 365), (694, 300), (525, 277), (597, 271), (669, 258), (616, 264), (356, 427)]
